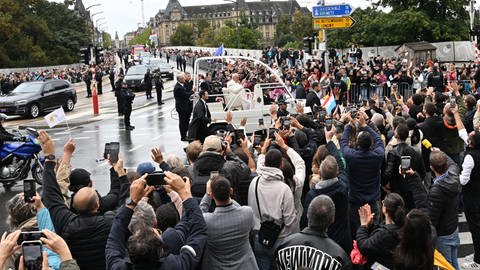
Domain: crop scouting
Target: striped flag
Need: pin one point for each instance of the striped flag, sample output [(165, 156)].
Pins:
[(328, 102)]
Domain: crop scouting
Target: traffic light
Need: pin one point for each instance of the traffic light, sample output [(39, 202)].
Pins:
[(307, 44), (85, 55), (98, 55)]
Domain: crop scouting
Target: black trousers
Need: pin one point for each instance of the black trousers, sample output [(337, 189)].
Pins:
[(99, 87), (159, 95), (127, 113), (89, 89), (120, 105), (183, 121), (148, 92), (113, 84), (472, 213)]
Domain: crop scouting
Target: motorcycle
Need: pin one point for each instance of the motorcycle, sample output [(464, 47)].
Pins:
[(18, 158)]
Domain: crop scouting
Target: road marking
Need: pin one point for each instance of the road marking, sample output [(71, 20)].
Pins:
[(82, 138), (62, 133), (90, 131), (156, 138), (135, 148)]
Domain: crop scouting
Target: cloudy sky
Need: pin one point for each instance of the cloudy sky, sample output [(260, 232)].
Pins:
[(124, 15)]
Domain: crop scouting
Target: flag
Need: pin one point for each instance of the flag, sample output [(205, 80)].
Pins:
[(328, 102), (219, 51), (56, 117)]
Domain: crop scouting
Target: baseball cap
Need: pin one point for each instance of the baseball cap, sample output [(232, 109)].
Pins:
[(212, 143), (145, 167), (79, 178)]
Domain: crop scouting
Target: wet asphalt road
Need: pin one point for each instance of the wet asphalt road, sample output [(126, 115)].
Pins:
[(154, 127)]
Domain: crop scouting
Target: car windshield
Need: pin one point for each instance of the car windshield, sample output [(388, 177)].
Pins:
[(137, 70), (28, 88)]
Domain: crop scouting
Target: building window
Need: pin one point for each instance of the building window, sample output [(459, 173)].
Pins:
[(228, 14), (267, 35)]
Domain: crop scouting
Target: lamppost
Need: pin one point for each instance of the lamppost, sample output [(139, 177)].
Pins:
[(237, 20)]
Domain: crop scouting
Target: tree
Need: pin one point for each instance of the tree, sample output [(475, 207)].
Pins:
[(248, 38), (183, 36), (107, 40), (207, 38), (200, 25), (293, 28), (142, 38)]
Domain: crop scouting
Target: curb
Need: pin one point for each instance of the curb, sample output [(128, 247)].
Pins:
[(88, 121)]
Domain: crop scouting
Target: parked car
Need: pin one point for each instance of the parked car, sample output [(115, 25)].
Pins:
[(33, 98), (134, 77), (164, 68)]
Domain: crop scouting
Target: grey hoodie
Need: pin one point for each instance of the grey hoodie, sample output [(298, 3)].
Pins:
[(275, 199)]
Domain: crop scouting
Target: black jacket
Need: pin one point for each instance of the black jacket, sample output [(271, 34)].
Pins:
[(443, 201), (313, 249), (339, 231), (201, 117), (378, 243), (5, 135), (312, 99), (182, 99), (85, 234), (300, 92)]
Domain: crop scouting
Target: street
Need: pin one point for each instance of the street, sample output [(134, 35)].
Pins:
[(154, 127)]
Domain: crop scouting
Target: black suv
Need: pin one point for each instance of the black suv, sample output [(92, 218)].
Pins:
[(33, 98)]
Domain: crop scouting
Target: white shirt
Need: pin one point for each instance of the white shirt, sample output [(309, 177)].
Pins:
[(467, 167), (234, 87)]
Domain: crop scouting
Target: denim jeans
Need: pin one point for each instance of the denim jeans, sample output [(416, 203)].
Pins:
[(264, 255), (448, 246)]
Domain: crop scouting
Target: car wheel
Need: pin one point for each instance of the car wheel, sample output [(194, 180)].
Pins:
[(33, 111), (69, 105)]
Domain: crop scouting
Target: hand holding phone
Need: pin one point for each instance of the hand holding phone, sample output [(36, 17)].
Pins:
[(329, 123), (32, 255), (114, 150), (405, 164), (156, 179)]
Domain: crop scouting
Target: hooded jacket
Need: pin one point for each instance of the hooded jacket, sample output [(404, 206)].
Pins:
[(275, 199), (443, 201)]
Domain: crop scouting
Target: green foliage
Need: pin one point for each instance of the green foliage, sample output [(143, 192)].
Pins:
[(293, 45), (248, 38), (39, 32), (200, 25), (207, 38), (183, 36), (293, 28), (408, 21), (142, 38), (107, 40)]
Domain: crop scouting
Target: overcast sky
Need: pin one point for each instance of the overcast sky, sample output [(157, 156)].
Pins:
[(124, 15)]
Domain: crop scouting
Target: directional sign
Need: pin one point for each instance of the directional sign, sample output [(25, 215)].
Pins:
[(331, 11), (333, 23)]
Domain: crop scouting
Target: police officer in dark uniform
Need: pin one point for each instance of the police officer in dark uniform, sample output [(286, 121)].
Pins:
[(4, 134), (147, 80), (87, 77), (158, 87), (128, 97), (118, 95), (99, 78), (111, 76)]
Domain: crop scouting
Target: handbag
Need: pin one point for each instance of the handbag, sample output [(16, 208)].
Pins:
[(269, 230)]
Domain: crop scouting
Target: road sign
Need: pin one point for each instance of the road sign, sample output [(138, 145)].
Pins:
[(333, 23), (331, 11)]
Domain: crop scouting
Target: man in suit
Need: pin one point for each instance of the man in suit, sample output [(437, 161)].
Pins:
[(301, 92), (201, 117), (99, 78), (228, 229), (312, 97), (182, 105), (147, 80)]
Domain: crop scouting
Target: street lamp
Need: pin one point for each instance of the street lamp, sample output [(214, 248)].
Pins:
[(237, 23), (102, 18), (95, 5), (93, 25)]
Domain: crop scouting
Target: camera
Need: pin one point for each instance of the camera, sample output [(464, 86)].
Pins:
[(156, 179)]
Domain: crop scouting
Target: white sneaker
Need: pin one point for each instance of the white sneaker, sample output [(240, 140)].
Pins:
[(469, 258), (470, 265)]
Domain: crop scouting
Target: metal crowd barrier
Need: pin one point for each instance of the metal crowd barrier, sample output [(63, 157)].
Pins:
[(360, 92)]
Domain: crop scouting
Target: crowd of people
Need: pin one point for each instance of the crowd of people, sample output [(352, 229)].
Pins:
[(73, 74)]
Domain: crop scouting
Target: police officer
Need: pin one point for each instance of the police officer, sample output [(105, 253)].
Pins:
[(98, 79), (118, 95), (128, 96), (4, 134), (159, 87), (147, 80), (87, 78)]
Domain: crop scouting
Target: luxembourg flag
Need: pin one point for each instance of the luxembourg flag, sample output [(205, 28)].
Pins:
[(328, 102)]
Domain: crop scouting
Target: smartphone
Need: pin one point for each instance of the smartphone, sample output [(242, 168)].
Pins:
[(257, 139), (377, 266), (114, 150), (29, 190), (156, 179), (286, 123), (29, 236), (106, 151), (405, 164), (260, 122), (32, 255), (329, 123), (322, 115), (271, 133), (213, 174), (381, 104), (316, 109), (239, 134), (262, 133), (453, 101)]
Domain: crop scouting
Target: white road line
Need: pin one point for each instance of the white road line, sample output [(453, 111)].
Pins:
[(156, 138), (135, 148), (82, 138), (91, 131), (62, 133)]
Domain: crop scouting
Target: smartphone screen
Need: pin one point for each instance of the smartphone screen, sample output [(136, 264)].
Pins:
[(156, 179), (260, 121), (453, 101), (329, 123), (257, 139), (29, 190), (271, 133), (405, 163), (106, 151), (32, 255), (322, 116), (239, 134), (114, 150), (286, 123)]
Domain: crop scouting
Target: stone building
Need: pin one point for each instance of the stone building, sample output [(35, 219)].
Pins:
[(265, 12)]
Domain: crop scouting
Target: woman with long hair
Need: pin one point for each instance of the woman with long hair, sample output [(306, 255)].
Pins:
[(378, 242), (415, 251)]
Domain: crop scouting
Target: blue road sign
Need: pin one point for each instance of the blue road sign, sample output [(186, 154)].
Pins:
[(331, 11)]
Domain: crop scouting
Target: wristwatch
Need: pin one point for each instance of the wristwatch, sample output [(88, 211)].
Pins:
[(130, 202), (50, 157)]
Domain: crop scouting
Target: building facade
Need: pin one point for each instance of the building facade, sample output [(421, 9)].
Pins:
[(265, 12)]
